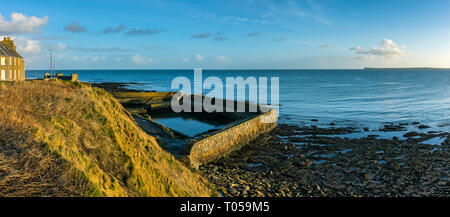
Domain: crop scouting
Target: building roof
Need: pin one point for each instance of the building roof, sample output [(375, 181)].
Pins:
[(6, 51)]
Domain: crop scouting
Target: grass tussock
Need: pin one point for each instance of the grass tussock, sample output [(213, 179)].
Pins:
[(66, 139)]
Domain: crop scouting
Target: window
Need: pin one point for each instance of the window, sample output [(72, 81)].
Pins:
[(3, 61), (3, 75), (15, 75)]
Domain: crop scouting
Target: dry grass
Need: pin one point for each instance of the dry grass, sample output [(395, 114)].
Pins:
[(66, 139)]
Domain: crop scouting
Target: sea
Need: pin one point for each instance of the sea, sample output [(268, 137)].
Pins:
[(349, 98)]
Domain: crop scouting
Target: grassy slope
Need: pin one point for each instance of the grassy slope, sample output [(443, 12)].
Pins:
[(90, 139)]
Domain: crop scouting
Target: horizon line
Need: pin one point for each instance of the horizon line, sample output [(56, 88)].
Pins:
[(364, 68)]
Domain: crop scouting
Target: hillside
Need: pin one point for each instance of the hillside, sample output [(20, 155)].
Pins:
[(67, 139)]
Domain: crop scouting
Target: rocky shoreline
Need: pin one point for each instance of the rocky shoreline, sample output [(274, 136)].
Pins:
[(116, 87), (297, 161), (310, 161)]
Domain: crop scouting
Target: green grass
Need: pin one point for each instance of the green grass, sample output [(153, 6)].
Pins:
[(101, 143)]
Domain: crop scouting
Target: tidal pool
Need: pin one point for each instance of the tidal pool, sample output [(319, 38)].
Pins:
[(189, 125)]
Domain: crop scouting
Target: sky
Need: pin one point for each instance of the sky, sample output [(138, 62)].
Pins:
[(231, 34)]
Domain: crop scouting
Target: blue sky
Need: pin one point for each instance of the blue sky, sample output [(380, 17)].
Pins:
[(245, 34)]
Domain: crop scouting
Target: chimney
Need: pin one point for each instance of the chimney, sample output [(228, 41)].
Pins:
[(10, 43)]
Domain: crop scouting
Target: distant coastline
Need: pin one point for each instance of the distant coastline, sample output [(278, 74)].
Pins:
[(417, 68)]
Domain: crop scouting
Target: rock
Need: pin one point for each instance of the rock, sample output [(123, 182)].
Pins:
[(423, 126), (411, 134), (332, 124), (314, 120), (415, 123), (363, 171), (444, 124), (366, 129), (339, 186), (392, 127)]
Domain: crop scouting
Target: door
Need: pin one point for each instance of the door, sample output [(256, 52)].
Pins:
[(3, 75)]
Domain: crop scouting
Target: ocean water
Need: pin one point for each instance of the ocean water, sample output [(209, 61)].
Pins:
[(346, 97)]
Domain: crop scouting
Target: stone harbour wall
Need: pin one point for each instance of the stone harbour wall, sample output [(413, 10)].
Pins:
[(230, 139)]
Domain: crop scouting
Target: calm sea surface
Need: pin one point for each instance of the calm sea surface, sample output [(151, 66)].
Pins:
[(346, 97)]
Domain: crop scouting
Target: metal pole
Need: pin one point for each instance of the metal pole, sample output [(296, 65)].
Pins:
[(51, 62)]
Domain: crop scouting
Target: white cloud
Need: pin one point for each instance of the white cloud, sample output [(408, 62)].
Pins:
[(357, 49), (27, 46), (33, 50), (118, 59), (22, 24), (223, 59), (97, 58), (140, 59), (60, 47), (199, 58), (79, 58), (387, 49)]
